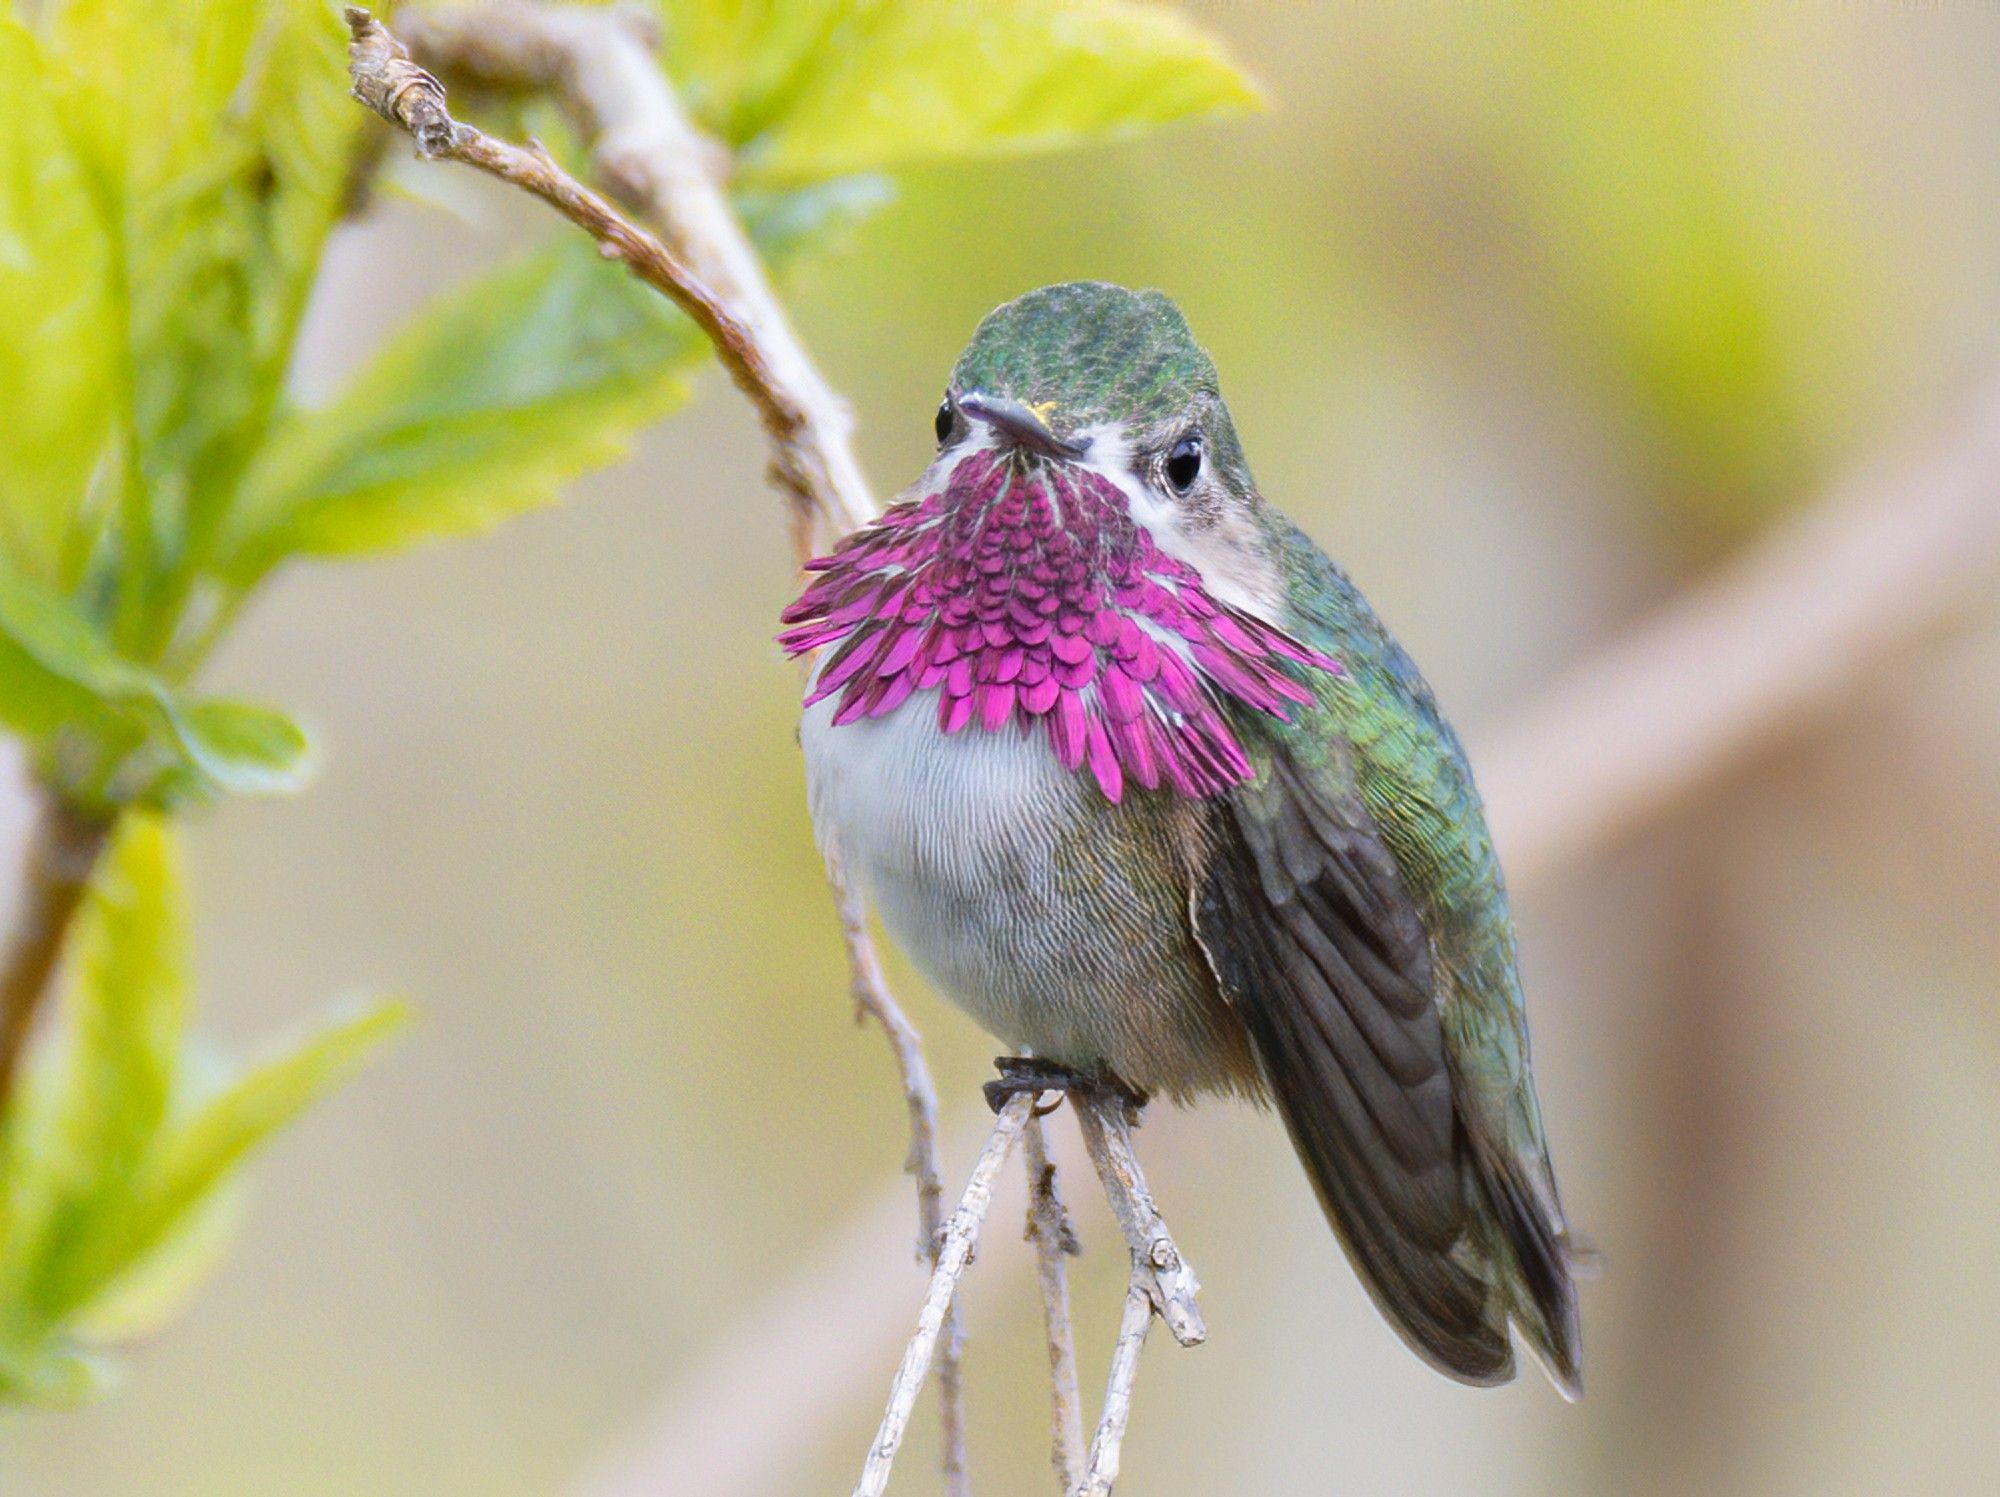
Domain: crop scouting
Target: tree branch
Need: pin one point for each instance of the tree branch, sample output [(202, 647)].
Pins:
[(63, 849), (599, 66), (871, 996), (1055, 1242), (961, 1235), (1105, 1118), (1109, 1442)]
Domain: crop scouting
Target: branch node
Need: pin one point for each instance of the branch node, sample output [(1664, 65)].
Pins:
[(388, 82)]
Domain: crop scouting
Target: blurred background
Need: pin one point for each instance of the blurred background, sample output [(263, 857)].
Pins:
[(1527, 318)]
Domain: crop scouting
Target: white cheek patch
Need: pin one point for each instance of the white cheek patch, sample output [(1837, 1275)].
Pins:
[(1233, 569)]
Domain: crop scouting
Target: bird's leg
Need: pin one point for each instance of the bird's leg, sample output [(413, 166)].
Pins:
[(1028, 1073)]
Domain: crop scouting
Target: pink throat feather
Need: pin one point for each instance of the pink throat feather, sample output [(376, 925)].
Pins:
[(1025, 594)]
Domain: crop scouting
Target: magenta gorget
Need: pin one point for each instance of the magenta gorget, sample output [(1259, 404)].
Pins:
[(1026, 597)]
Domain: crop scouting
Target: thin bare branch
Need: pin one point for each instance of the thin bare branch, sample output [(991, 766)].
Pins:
[(64, 846), (1105, 1121), (1055, 1243), (598, 63), (872, 997), (406, 95), (961, 1236), (1109, 1443)]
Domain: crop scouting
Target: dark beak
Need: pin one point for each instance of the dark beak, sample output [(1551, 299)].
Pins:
[(1018, 424)]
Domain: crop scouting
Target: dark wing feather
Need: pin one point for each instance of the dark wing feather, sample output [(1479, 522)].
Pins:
[(1318, 944)]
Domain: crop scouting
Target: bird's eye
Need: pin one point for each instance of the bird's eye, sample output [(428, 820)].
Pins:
[(1184, 464), (943, 423)]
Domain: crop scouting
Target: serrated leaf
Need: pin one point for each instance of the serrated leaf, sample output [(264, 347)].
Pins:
[(125, 1012), (199, 1153), (477, 411), (842, 86), (59, 309)]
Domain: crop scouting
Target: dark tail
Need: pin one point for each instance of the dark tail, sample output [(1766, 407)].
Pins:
[(1449, 1257)]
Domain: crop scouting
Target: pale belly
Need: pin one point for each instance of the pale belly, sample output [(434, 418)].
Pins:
[(1005, 879)]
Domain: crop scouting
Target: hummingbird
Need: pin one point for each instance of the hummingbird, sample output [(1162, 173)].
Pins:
[(1139, 780)]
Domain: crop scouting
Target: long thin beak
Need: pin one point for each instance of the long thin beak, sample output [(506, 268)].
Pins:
[(1018, 424)]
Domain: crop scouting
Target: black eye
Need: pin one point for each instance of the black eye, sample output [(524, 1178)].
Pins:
[(1184, 463), (943, 423)]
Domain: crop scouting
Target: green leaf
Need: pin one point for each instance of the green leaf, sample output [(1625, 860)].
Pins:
[(817, 90), (785, 222), (59, 309), (245, 749), (146, 1296), (477, 411), (51, 1373), (200, 1152), (59, 675), (126, 1010), (218, 138), (57, 670)]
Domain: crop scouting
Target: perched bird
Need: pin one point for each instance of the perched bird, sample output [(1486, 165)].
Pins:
[(1139, 780)]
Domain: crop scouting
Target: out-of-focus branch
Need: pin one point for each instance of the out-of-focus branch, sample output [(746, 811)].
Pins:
[(63, 847), (1777, 638), (1763, 649), (1055, 1242), (961, 1234)]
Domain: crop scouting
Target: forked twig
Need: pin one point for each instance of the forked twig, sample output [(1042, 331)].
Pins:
[(811, 464), (1157, 1263), (961, 1235)]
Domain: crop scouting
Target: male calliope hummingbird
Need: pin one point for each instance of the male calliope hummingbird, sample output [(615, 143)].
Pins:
[(1140, 781)]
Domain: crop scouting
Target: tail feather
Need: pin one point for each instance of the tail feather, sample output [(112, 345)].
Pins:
[(1541, 1289)]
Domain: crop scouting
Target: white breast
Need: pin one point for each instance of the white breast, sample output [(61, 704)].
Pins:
[(953, 838), (1001, 874)]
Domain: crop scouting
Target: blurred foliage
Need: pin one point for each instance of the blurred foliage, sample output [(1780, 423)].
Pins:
[(117, 1166), (169, 174), (813, 88)]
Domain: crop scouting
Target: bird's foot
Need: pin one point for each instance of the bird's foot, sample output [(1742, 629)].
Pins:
[(1026, 1073)]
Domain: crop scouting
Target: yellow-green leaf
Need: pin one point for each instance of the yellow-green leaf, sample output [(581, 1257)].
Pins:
[(477, 411), (58, 308), (124, 1014), (57, 671), (842, 86), (59, 676), (201, 1151), (243, 748), (217, 136)]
